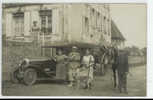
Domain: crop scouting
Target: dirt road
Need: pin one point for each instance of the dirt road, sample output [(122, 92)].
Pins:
[(103, 87)]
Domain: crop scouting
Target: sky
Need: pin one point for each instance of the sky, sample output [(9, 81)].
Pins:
[(131, 19)]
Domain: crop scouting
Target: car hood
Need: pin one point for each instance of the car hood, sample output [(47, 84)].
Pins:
[(39, 59)]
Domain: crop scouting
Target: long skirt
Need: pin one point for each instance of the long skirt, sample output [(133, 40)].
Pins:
[(91, 77), (61, 71), (85, 76)]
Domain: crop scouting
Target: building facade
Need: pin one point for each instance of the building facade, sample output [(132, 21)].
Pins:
[(70, 23)]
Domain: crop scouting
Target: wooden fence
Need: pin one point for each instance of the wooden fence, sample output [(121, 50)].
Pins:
[(137, 60)]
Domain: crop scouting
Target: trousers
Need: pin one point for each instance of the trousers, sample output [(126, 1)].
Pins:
[(122, 81)]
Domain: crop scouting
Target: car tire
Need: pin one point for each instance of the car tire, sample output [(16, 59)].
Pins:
[(13, 77), (30, 76)]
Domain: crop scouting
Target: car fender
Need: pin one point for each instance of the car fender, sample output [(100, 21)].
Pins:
[(38, 69)]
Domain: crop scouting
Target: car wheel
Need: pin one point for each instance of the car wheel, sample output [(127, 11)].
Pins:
[(13, 77), (30, 76)]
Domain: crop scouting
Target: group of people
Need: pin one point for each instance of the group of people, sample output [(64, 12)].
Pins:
[(80, 69), (76, 66)]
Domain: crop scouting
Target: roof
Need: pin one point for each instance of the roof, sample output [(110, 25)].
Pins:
[(10, 5), (115, 32)]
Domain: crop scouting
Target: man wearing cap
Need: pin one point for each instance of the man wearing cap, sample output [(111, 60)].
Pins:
[(74, 58)]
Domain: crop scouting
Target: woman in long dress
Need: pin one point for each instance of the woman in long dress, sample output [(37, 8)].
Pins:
[(61, 70), (88, 63)]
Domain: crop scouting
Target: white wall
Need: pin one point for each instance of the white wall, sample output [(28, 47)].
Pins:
[(9, 24)]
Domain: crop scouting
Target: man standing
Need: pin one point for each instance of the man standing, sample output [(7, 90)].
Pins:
[(122, 70), (74, 58)]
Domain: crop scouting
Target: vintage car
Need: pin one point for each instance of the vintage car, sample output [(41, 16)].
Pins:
[(31, 70)]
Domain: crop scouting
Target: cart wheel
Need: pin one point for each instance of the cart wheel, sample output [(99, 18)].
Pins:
[(13, 77), (30, 76)]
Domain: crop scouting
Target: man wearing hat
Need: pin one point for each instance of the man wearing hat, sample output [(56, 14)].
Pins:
[(74, 58), (122, 69)]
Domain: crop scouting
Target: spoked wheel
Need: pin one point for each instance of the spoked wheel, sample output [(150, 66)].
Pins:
[(30, 76)]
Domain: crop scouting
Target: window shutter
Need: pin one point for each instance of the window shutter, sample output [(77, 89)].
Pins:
[(27, 23), (9, 24), (55, 21)]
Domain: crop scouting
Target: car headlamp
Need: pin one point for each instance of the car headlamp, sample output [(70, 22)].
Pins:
[(25, 63)]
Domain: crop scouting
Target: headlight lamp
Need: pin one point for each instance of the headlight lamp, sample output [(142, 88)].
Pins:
[(25, 63)]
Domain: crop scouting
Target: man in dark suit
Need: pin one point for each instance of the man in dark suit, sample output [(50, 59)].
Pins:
[(122, 70)]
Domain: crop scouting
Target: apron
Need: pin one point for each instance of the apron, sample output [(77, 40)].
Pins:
[(61, 70)]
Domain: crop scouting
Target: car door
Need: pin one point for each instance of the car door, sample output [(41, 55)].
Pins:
[(50, 67)]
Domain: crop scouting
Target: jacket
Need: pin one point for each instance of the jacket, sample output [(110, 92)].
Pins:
[(122, 62)]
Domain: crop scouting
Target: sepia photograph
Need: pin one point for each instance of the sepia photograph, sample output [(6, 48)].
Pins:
[(74, 49)]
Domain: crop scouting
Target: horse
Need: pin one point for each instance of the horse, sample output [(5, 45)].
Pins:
[(114, 54)]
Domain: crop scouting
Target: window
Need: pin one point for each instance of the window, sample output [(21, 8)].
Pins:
[(105, 25), (86, 25), (46, 21), (93, 11), (108, 23), (18, 23), (93, 17), (98, 22)]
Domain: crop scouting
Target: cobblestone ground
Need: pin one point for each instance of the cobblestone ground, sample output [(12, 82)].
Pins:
[(103, 87)]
